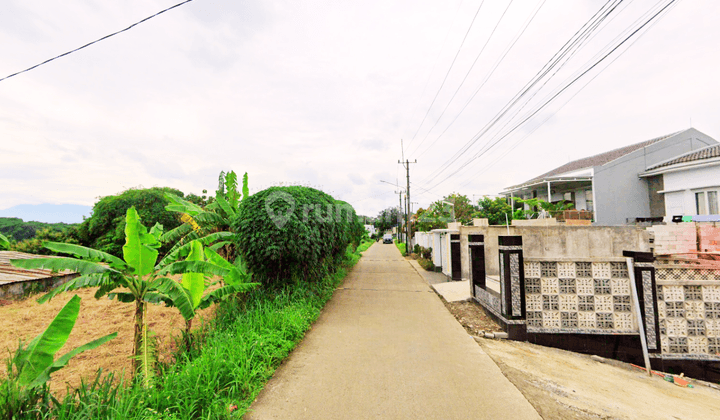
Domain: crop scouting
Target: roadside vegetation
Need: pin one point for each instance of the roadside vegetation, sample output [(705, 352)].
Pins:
[(224, 249), (400, 246)]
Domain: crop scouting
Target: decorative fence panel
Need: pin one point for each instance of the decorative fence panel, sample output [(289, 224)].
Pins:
[(688, 312), (578, 297)]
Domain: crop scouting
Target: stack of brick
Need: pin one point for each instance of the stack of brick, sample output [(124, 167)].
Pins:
[(675, 238), (709, 238)]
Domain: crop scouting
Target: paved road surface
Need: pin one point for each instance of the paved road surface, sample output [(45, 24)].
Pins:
[(385, 347)]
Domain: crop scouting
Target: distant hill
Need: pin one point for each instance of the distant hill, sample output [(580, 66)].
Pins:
[(48, 213)]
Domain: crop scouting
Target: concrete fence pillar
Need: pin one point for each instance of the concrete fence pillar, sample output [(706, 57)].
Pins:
[(512, 277), (644, 269)]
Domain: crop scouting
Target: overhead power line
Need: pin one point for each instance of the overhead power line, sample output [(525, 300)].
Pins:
[(466, 76), (96, 41), (490, 73), (554, 61), (448, 71), (560, 91)]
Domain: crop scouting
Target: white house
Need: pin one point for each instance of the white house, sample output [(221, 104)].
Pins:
[(608, 185), (690, 183)]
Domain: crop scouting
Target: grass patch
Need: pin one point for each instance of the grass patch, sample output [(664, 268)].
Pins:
[(248, 340), (364, 245), (400, 246)]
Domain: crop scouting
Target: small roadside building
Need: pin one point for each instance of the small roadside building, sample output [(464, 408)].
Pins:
[(610, 184)]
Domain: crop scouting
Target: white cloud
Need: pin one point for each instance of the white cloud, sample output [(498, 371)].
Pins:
[(321, 92)]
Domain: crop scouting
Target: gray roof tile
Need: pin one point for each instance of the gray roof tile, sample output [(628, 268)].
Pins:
[(699, 154), (600, 159)]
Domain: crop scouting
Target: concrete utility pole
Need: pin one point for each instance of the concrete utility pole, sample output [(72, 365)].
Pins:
[(399, 218), (406, 164)]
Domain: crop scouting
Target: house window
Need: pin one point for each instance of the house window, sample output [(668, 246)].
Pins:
[(713, 202), (706, 202), (700, 207), (589, 200)]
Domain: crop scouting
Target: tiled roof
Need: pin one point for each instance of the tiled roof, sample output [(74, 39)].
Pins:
[(699, 154), (600, 159)]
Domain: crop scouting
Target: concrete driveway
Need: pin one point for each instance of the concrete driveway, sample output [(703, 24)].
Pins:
[(385, 347)]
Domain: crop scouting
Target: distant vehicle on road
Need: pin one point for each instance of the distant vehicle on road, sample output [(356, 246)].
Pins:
[(387, 238)]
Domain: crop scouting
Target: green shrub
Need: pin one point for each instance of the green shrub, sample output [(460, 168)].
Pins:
[(425, 253), (426, 264), (294, 232)]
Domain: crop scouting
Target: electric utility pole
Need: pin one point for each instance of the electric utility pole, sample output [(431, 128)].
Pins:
[(406, 164), (399, 216)]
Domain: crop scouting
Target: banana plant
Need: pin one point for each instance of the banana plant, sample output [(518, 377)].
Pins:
[(209, 225), (135, 273), (189, 295), (4, 243), (35, 362)]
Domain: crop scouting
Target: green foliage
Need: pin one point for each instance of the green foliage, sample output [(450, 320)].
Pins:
[(4, 243), (436, 216), (248, 340), (104, 229), (463, 208), (400, 246), (365, 244), (15, 229), (387, 219), (30, 368), (494, 210), (552, 208), (288, 232), (200, 223), (135, 273), (35, 245), (427, 264)]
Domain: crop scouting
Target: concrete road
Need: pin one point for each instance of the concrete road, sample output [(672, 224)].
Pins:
[(385, 347)]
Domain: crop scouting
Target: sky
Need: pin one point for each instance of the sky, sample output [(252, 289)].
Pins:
[(331, 94)]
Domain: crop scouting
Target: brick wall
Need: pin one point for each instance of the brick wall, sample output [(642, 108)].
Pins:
[(709, 238), (675, 238), (686, 237)]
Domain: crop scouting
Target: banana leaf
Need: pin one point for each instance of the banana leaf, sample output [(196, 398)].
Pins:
[(123, 297), (204, 267), (64, 359), (89, 280), (180, 251), (35, 362), (86, 253), (223, 293), (234, 275), (177, 233), (179, 297), (245, 189), (181, 205), (4, 243), (194, 282), (140, 249), (60, 264), (226, 207)]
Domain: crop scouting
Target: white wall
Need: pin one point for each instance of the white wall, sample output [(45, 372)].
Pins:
[(682, 202)]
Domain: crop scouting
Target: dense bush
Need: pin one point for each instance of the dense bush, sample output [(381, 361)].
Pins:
[(104, 230), (294, 232)]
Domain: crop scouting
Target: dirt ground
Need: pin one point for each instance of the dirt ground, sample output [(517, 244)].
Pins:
[(24, 319), (566, 385)]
